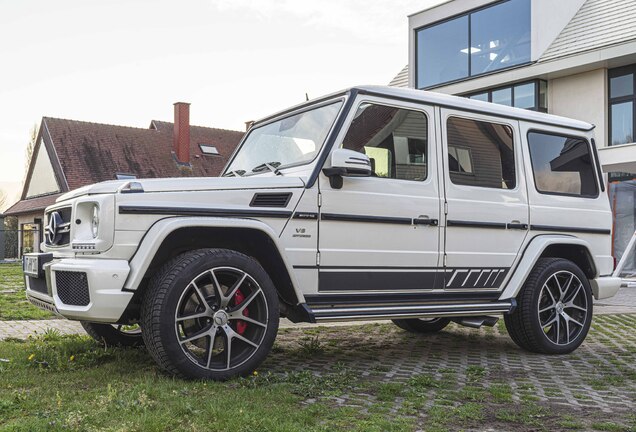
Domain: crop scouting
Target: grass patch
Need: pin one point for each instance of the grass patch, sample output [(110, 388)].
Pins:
[(71, 383), (14, 305)]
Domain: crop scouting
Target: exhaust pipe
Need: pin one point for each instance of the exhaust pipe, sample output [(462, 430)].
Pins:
[(477, 321)]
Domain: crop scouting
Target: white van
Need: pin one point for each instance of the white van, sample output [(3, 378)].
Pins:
[(370, 203)]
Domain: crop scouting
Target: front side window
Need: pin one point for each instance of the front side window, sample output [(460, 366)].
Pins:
[(395, 139), (291, 141), (478, 42), (562, 164), (480, 153)]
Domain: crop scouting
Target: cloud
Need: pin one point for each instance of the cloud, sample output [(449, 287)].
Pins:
[(368, 20)]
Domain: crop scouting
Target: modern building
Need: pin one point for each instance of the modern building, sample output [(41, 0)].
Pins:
[(574, 58), (69, 154)]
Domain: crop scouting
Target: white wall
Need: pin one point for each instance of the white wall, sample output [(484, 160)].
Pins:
[(549, 18), (583, 97)]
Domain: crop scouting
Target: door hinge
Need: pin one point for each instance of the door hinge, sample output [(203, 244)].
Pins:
[(444, 260), (319, 199), (317, 258), (445, 207)]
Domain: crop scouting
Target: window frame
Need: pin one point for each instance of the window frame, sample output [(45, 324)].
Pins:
[(563, 135), (429, 137), (446, 161), (470, 74), (537, 94), (614, 73)]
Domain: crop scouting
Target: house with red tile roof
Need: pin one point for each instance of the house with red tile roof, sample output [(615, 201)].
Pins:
[(69, 154)]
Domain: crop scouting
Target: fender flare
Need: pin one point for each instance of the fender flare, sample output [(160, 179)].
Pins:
[(156, 235), (531, 255)]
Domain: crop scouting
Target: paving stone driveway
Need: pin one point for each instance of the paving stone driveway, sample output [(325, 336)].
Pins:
[(598, 379)]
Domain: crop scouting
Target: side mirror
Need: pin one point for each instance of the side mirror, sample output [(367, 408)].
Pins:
[(347, 163)]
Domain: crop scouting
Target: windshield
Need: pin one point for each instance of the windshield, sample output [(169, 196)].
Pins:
[(294, 140)]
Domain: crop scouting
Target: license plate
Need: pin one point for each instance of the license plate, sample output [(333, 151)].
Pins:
[(33, 264)]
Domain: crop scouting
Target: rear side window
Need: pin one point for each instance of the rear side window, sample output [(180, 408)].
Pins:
[(562, 165), (480, 153)]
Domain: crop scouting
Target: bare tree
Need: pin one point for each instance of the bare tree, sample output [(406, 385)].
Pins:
[(31, 146)]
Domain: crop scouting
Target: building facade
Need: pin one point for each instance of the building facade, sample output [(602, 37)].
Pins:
[(574, 58)]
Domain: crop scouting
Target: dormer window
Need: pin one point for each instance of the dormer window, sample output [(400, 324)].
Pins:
[(208, 149), (125, 176)]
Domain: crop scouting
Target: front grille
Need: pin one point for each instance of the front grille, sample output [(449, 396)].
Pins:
[(63, 236), (72, 288), (270, 200)]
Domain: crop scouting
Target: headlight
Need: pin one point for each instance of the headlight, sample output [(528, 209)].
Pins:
[(95, 221)]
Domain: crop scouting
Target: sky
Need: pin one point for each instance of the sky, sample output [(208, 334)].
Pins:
[(127, 61)]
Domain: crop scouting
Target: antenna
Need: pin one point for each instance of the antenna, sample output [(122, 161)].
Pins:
[(306, 97)]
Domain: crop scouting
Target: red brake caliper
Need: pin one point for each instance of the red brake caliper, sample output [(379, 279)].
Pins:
[(241, 326)]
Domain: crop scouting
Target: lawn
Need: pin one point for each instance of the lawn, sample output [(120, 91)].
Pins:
[(13, 302), (319, 379)]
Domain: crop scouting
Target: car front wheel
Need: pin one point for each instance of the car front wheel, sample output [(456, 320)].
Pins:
[(210, 314)]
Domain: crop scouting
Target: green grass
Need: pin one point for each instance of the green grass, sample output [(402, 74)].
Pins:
[(15, 306), (70, 383)]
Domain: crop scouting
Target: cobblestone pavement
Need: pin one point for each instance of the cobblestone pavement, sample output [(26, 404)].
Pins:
[(598, 379)]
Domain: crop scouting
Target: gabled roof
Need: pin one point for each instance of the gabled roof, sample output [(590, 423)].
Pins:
[(597, 24), (401, 79), (87, 153)]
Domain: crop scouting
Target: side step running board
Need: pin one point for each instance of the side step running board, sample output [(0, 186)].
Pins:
[(412, 311)]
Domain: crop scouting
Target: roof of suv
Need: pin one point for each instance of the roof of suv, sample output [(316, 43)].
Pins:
[(455, 102)]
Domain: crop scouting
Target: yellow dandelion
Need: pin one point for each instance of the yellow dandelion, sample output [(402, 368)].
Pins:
[(255, 373), (31, 357), (72, 358)]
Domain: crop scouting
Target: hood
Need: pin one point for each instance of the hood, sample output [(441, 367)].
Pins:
[(185, 184)]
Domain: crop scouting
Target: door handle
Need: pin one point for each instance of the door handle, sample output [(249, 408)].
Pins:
[(425, 221), (517, 225)]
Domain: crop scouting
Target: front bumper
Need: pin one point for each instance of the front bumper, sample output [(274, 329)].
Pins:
[(101, 299), (605, 286)]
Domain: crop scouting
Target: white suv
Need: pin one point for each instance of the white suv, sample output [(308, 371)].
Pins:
[(371, 203)]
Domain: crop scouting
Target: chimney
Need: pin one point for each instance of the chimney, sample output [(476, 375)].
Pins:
[(181, 132)]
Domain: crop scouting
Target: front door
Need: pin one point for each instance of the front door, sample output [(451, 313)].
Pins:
[(381, 233), (487, 201)]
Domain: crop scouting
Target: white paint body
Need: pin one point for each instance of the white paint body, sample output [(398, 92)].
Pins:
[(129, 239)]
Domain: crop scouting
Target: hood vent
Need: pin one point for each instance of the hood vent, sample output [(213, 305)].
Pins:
[(270, 200)]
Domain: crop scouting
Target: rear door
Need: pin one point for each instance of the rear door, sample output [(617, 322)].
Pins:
[(487, 215)]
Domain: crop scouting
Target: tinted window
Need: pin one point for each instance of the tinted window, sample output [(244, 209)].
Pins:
[(562, 164), (480, 154), (442, 52), (478, 42), (396, 141), (500, 36)]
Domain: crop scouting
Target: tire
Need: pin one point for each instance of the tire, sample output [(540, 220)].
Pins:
[(554, 308), (113, 334), (422, 325), (210, 314)]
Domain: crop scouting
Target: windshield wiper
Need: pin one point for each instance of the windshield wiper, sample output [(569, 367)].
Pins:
[(272, 166), (237, 173)]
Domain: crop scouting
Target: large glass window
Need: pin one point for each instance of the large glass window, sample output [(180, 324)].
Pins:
[(442, 52), (528, 95), (621, 105), (396, 141), (292, 141), (481, 41), (562, 165), (480, 153)]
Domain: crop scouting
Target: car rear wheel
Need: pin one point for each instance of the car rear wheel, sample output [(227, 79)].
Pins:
[(421, 325), (210, 314), (114, 334), (554, 310)]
